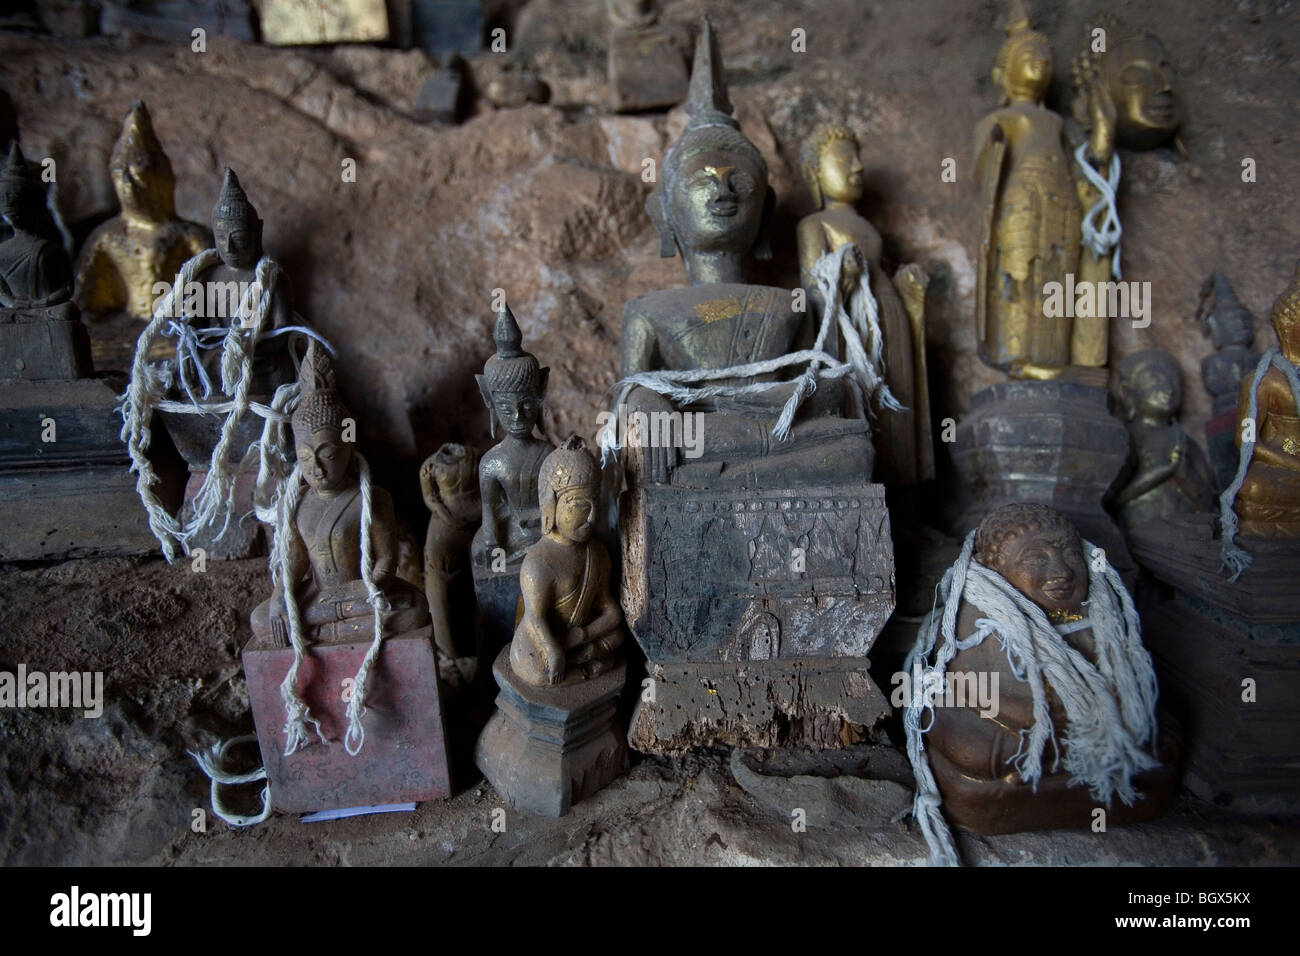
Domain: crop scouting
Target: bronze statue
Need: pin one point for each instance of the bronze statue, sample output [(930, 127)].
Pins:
[(322, 531), (648, 60), (1268, 503), (449, 481), (513, 386), (124, 258), (713, 206), (571, 626), (1065, 719), (1170, 473), (833, 171), (39, 326)]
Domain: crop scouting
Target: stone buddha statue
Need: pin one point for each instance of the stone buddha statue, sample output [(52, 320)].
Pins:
[(513, 386), (1031, 228), (323, 531), (1268, 504), (126, 256), (1169, 472), (1050, 709), (449, 481), (712, 206), (42, 331), (571, 625), (834, 176)]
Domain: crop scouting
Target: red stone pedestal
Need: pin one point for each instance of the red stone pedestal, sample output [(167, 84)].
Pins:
[(404, 757)]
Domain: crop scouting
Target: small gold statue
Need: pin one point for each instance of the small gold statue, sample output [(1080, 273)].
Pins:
[(571, 626), (1031, 233), (449, 481), (1268, 503), (322, 532), (146, 244), (905, 453), (1171, 474)]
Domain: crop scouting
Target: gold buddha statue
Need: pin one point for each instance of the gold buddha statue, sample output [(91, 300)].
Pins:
[(323, 532), (1031, 233), (571, 625), (833, 171), (1268, 504), (146, 244), (713, 205)]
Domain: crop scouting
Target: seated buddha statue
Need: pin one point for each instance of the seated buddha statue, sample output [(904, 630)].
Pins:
[(126, 256), (1066, 713), (42, 331), (323, 531), (1169, 472), (1268, 504), (713, 205), (834, 175), (571, 625)]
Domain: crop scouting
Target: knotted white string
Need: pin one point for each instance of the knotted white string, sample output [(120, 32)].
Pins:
[(210, 762), (1102, 239)]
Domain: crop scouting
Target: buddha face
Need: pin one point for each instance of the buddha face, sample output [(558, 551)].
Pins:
[(16, 202), (324, 460), (239, 241), (1155, 390), (142, 186), (1029, 68), (575, 514), (840, 171), (1138, 76), (1047, 567), (517, 412), (716, 202)]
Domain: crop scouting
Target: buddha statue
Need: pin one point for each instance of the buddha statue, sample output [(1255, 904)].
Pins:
[(42, 332), (834, 174), (1031, 228), (571, 625), (322, 531), (1042, 694), (713, 205), (648, 60), (449, 481), (146, 244), (1268, 504), (513, 386), (1169, 472), (1231, 328)]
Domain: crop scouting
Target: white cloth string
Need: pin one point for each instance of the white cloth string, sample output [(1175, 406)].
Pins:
[(1101, 239)]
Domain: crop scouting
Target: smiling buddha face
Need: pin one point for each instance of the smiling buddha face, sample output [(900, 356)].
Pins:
[(1038, 551)]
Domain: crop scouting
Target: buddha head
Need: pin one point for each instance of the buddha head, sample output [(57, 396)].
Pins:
[(1037, 550), (568, 491), (324, 458), (632, 13), (1228, 322), (714, 196), (142, 174), (455, 472), (831, 165), (1134, 72), (1023, 68), (235, 226), (1150, 386), (513, 383), (1286, 319), (22, 200)]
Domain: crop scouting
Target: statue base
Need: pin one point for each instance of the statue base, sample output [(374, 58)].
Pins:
[(1050, 442), (547, 748), (404, 757), (244, 537), (48, 344), (819, 703), (1226, 657), (66, 490)]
